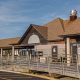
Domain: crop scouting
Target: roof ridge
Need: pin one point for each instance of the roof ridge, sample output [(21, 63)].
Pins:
[(53, 20)]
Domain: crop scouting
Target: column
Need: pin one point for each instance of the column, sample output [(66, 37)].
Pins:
[(8, 58), (68, 51), (27, 55), (30, 56), (1, 54), (12, 53)]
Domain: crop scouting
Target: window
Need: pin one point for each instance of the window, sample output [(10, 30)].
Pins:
[(40, 53), (33, 39)]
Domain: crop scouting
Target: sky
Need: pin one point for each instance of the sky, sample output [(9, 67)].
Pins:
[(17, 15)]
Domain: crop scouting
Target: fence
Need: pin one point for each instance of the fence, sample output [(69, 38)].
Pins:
[(56, 67), (57, 64)]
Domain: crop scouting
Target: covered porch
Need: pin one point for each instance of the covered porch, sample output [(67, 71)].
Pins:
[(16, 53)]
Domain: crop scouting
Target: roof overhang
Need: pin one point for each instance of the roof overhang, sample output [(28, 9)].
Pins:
[(70, 35)]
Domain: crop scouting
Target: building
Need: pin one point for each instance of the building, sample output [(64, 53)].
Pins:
[(55, 41)]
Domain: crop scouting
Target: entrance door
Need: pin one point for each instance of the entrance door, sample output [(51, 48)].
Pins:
[(54, 53), (74, 53)]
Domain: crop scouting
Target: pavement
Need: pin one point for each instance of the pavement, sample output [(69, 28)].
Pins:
[(18, 76), (4, 75)]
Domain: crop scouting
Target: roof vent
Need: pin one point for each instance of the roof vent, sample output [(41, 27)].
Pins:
[(73, 15)]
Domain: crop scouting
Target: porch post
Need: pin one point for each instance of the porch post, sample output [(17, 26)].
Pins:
[(30, 56), (27, 55), (1, 54), (12, 53), (68, 51)]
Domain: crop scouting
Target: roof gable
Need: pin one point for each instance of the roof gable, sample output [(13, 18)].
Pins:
[(41, 30)]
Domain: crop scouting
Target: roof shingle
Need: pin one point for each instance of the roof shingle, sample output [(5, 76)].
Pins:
[(7, 42), (55, 28)]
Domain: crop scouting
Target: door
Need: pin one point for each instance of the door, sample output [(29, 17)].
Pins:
[(74, 53), (54, 53)]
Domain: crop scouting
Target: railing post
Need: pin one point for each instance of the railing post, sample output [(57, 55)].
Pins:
[(77, 67), (12, 53), (29, 56), (37, 58), (29, 64), (62, 67), (77, 70), (48, 65)]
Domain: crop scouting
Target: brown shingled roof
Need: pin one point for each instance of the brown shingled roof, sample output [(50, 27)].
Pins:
[(55, 28), (42, 30), (59, 27), (52, 30), (72, 27), (7, 42)]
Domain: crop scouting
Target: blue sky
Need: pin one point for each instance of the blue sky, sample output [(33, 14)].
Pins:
[(17, 15)]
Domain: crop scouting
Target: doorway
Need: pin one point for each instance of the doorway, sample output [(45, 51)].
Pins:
[(74, 54), (54, 53)]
